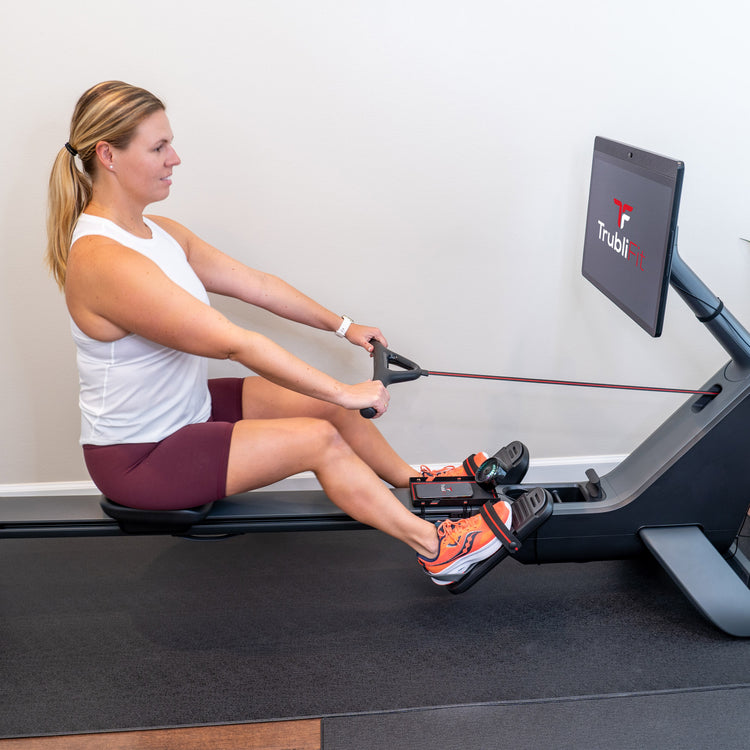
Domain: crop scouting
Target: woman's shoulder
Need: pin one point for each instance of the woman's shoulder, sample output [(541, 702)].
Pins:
[(89, 225), (94, 256), (171, 226), (174, 229)]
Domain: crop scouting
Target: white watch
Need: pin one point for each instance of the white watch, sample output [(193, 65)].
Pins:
[(344, 327)]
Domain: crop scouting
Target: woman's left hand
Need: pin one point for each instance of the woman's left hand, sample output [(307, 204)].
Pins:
[(363, 335)]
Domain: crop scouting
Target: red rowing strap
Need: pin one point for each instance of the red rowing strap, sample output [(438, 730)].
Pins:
[(570, 382)]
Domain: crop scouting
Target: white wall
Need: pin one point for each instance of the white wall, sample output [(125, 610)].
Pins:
[(421, 165)]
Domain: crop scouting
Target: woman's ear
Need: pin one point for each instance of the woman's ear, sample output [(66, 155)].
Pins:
[(104, 155)]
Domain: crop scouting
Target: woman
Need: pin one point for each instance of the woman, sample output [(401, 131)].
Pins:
[(155, 432)]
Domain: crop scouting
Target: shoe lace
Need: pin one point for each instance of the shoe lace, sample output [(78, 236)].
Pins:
[(429, 473), (452, 530)]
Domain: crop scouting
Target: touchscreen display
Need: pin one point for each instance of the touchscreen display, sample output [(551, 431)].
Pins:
[(630, 226)]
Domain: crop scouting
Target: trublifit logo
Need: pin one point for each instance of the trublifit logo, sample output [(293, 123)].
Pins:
[(621, 244), (624, 214)]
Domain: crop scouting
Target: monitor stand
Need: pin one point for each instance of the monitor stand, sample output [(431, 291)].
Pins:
[(710, 311), (684, 492), (716, 585)]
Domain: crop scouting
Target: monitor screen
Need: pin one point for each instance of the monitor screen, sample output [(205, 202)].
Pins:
[(631, 227)]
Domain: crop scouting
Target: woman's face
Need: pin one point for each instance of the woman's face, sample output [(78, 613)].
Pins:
[(144, 168)]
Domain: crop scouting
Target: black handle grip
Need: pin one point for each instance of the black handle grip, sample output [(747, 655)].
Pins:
[(382, 358)]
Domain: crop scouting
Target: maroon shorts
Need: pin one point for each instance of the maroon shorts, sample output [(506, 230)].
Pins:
[(186, 469)]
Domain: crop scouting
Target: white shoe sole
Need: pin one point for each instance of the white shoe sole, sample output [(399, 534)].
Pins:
[(461, 567)]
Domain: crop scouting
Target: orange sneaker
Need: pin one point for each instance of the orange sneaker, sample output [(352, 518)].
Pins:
[(463, 544), (467, 469)]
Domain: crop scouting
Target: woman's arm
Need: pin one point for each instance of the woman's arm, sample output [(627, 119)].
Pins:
[(222, 274), (112, 290)]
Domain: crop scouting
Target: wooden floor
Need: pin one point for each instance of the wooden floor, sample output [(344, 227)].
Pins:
[(282, 735)]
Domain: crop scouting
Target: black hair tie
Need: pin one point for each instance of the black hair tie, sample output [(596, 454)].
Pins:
[(71, 150)]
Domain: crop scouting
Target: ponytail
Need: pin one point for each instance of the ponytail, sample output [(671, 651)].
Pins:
[(69, 193)]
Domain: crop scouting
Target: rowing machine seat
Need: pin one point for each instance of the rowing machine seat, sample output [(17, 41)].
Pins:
[(139, 521)]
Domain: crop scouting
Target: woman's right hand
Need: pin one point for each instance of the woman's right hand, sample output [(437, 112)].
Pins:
[(371, 393)]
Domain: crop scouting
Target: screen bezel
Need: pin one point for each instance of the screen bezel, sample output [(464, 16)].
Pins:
[(665, 171)]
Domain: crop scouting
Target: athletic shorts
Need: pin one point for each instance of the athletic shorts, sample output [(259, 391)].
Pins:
[(187, 469)]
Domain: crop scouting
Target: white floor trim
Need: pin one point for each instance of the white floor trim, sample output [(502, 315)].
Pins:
[(561, 469)]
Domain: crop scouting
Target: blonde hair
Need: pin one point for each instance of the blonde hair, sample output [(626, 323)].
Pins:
[(110, 111)]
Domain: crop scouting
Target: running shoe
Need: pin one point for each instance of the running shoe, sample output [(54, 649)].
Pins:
[(463, 544), (467, 469)]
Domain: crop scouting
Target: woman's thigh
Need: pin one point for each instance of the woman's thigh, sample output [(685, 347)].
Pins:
[(264, 451), (262, 399)]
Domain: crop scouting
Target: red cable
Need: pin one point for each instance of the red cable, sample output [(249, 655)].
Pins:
[(571, 382)]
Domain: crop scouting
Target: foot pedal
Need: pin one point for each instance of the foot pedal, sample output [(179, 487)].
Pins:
[(514, 459), (139, 521), (530, 511)]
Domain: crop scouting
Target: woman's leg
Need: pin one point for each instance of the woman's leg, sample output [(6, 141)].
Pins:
[(284, 433), (264, 451), (264, 400)]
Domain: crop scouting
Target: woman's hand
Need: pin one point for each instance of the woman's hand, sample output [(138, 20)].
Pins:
[(370, 393), (360, 335)]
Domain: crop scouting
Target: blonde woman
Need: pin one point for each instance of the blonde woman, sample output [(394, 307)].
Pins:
[(156, 433)]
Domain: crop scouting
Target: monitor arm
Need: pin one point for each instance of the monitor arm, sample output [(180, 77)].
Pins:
[(710, 311)]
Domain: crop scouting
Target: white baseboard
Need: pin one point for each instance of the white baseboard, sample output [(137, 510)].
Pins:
[(37, 489), (543, 470)]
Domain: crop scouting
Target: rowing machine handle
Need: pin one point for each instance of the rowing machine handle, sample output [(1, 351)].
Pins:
[(382, 358)]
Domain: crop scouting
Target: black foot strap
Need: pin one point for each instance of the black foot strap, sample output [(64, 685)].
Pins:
[(507, 538), (470, 466)]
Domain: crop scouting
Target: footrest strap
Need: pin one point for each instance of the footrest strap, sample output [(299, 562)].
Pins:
[(507, 538)]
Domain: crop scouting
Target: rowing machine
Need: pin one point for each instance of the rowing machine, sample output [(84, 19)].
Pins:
[(682, 494)]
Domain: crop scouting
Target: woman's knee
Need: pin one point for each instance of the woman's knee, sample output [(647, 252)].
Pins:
[(325, 437)]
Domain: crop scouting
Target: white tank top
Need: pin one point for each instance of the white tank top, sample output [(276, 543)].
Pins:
[(133, 390)]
